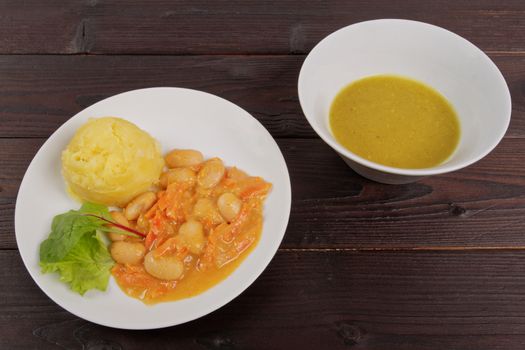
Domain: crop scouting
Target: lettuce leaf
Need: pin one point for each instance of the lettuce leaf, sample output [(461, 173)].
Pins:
[(86, 266), (75, 249), (68, 228)]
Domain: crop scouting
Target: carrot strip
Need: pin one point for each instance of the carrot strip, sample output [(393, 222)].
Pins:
[(150, 239), (260, 188)]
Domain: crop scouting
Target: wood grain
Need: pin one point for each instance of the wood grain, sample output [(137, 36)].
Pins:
[(433, 265), (235, 27), (320, 300), (480, 206), (42, 27), (39, 93)]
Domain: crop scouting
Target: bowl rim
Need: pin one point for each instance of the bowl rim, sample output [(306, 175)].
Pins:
[(388, 169)]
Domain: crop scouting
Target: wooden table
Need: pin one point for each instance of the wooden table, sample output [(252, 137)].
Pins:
[(438, 264)]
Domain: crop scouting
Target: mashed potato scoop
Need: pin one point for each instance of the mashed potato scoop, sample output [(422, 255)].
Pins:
[(110, 161)]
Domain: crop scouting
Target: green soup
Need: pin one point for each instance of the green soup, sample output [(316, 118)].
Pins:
[(395, 121)]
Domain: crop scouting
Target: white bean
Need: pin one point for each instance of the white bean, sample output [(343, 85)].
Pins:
[(191, 234), (229, 206), (206, 210), (140, 204), (211, 173), (163, 179), (119, 218), (163, 267), (142, 224), (183, 158), (127, 252), (180, 175)]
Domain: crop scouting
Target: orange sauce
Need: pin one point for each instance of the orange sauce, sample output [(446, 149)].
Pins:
[(227, 244), (193, 283)]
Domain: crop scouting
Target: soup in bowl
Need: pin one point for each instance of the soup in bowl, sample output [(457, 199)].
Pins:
[(432, 56)]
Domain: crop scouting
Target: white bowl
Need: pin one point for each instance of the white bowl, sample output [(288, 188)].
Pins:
[(177, 118), (433, 55)]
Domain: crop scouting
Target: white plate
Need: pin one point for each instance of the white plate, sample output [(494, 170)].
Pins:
[(177, 118)]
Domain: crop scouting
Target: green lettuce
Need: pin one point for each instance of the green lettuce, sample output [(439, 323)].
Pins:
[(76, 250), (86, 266)]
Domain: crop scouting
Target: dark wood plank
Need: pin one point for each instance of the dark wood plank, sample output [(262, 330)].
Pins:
[(288, 26), (35, 26), (482, 205), (515, 78), (38, 93), (312, 300), (203, 27)]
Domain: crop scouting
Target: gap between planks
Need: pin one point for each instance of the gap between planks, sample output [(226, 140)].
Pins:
[(246, 54), (404, 249), (386, 249), (286, 137)]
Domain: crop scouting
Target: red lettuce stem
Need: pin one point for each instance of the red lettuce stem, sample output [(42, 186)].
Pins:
[(122, 227)]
